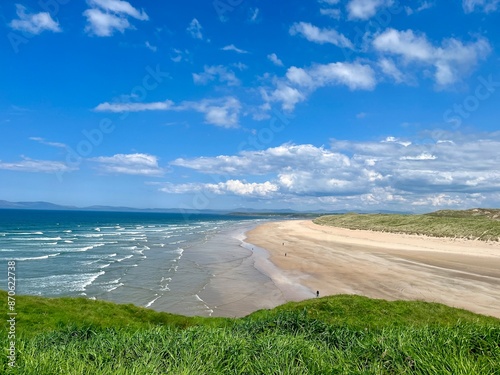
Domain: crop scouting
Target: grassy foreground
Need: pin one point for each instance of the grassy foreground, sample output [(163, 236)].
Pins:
[(475, 224), (330, 335)]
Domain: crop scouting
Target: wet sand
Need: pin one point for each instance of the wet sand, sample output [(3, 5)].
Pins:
[(225, 276), (458, 273)]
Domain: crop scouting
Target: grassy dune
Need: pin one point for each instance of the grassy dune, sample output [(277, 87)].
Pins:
[(341, 335), (477, 224)]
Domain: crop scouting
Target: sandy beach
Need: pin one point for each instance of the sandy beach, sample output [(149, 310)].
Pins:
[(458, 273)]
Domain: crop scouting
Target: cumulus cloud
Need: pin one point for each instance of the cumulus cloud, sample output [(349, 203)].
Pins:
[(356, 76), (485, 6), (441, 167), (422, 156), (194, 29), (120, 7), (218, 72), (131, 164), (390, 69), (285, 94), (220, 112), (320, 36), (299, 83), (104, 17), (330, 12), (33, 23), (423, 6), (243, 188), (436, 172), (297, 169), (229, 187), (274, 59), (272, 160), (451, 60), (365, 9)]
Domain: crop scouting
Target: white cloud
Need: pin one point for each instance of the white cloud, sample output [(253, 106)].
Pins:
[(179, 55), (104, 24), (356, 76), (151, 47), (389, 173), (274, 59), (232, 47), (37, 166), (423, 6), (131, 164), (439, 200), (47, 143), (134, 107), (104, 17), (300, 82), (194, 29), (240, 66), (365, 9), (272, 160), (254, 14), (243, 188), (171, 188), (320, 36), (223, 112), (34, 23), (297, 169), (211, 73), (485, 6), (405, 43), (287, 95), (219, 112), (119, 7), (451, 60), (332, 13), (231, 187), (422, 156), (390, 69)]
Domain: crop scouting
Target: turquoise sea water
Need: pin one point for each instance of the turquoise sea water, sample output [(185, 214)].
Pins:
[(117, 256)]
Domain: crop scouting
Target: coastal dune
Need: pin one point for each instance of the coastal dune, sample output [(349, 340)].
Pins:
[(458, 273)]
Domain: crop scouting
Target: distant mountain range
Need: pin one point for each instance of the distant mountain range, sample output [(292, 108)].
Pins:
[(242, 210), (57, 207)]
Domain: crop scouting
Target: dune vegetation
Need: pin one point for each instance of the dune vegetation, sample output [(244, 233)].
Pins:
[(475, 224), (331, 335)]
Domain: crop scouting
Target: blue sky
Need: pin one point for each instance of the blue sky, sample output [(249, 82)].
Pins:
[(318, 104)]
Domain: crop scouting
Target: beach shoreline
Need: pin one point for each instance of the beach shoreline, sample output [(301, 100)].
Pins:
[(458, 273), (240, 278)]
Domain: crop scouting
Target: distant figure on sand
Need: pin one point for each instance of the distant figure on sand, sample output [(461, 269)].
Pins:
[(317, 293), (285, 254)]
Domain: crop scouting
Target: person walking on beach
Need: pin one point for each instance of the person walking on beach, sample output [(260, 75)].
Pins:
[(317, 293)]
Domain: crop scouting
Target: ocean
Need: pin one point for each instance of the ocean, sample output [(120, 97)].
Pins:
[(125, 257)]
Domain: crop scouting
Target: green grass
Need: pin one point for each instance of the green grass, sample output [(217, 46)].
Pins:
[(41, 314), (330, 335), (477, 224)]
